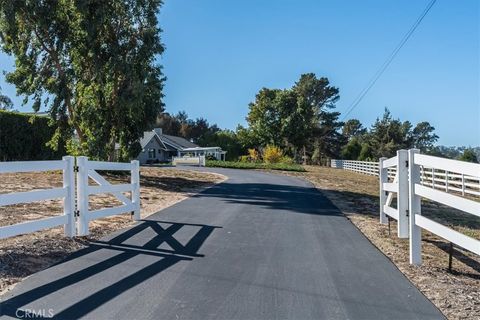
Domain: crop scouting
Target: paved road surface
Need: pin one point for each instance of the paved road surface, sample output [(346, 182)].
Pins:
[(258, 246)]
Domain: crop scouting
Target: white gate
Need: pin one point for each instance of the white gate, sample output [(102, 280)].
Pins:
[(76, 214), (88, 169)]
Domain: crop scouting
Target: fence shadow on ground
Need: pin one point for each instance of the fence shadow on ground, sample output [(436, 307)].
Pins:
[(297, 199), (162, 260)]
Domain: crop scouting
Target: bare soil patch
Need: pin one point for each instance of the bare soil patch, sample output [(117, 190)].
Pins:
[(456, 294), (24, 255)]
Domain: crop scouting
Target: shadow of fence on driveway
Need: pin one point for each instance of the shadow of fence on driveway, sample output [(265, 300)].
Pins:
[(163, 259)]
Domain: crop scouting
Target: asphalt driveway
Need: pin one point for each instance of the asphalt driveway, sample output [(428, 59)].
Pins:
[(258, 246)]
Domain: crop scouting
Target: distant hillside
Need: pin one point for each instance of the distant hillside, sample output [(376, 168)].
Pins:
[(455, 152)]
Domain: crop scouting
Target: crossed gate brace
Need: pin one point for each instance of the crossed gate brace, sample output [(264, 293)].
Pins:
[(87, 169), (76, 213)]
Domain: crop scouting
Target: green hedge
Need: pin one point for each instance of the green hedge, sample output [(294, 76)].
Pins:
[(255, 165), (23, 138)]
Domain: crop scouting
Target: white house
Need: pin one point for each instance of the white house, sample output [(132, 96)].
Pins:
[(160, 147)]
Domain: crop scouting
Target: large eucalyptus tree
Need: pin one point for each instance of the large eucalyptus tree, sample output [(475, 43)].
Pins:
[(92, 64)]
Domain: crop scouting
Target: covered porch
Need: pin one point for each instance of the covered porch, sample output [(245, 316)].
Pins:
[(216, 152)]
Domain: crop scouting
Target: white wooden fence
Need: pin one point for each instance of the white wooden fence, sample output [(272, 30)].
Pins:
[(187, 160), (419, 190), (366, 167), (88, 169), (395, 182), (67, 192), (446, 180), (412, 176), (76, 213)]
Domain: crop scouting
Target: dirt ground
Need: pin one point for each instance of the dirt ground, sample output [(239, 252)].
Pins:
[(456, 294), (24, 255)]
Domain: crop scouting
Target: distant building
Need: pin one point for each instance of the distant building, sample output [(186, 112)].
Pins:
[(160, 147)]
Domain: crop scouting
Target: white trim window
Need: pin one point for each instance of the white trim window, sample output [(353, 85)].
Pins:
[(152, 153)]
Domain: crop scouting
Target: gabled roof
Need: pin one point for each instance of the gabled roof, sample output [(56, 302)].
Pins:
[(179, 141), (147, 136), (170, 143)]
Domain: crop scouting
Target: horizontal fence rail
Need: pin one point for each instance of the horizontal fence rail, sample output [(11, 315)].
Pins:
[(67, 193), (88, 170), (76, 214), (419, 190), (411, 176), (437, 178)]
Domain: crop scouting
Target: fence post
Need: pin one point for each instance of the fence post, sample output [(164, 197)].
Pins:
[(135, 180), (414, 207), (69, 200), (383, 174), (402, 195), (82, 195)]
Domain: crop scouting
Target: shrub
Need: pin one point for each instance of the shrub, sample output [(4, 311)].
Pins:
[(254, 155), (24, 137), (210, 157), (272, 154), (287, 160), (255, 165), (244, 158)]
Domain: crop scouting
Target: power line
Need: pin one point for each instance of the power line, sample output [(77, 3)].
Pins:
[(389, 60)]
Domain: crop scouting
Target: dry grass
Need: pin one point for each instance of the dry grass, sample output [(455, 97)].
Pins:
[(26, 254), (456, 294)]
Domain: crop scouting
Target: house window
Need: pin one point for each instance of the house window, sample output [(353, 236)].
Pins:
[(151, 154)]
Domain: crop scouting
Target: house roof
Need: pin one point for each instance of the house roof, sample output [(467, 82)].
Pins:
[(147, 136), (167, 141), (182, 142)]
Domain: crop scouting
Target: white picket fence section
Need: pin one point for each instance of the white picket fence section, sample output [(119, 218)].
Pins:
[(76, 214), (419, 190), (67, 192), (187, 160)]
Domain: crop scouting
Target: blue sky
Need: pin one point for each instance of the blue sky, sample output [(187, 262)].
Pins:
[(220, 53)]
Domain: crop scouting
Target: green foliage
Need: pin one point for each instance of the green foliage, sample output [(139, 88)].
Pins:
[(352, 150), (272, 154), (316, 156), (469, 155), (253, 155), (92, 64), (287, 160), (353, 128), (295, 118), (424, 137), (386, 136), (255, 165), (244, 158), (210, 157), (5, 102), (225, 139), (25, 137), (366, 153)]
